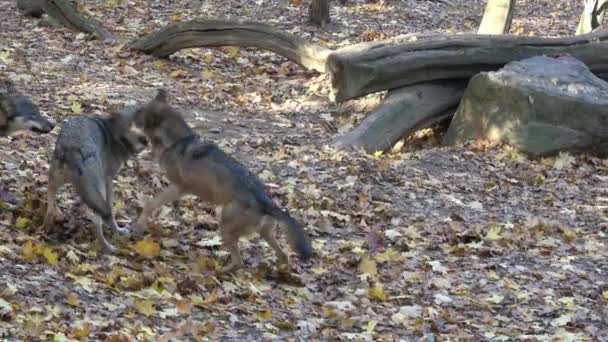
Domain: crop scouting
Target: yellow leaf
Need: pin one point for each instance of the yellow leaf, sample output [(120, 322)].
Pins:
[(146, 248), (175, 18), (144, 307), (494, 233), (265, 315), (605, 294), (158, 65), (378, 154), (376, 292), (567, 301), (76, 108), (208, 58), (284, 325), (82, 331), (50, 256), (493, 275), (510, 284), (371, 325), (232, 51), (22, 222), (118, 205), (207, 73), (569, 234), (73, 299), (27, 251), (327, 312), (177, 74), (368, 266)]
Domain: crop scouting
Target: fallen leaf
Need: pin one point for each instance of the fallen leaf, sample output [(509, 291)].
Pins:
[(22, 222), (144, 307), (561, 320), (146, 248), (50, 256), (82, 331), (376, 292), (73, 299), (496, 298), (368, 266), (494, 233), (27, 251), (265, 315), (76, 108)]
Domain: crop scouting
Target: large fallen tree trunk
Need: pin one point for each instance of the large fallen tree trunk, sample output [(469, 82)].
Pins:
[(404, 111), (206, 33), (359, 70), (66, 14)]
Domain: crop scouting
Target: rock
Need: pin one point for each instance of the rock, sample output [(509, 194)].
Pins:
[(541, 105)]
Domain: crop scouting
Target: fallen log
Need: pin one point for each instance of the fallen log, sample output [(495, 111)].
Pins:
[(207, 33), (365, 69), (63, 12), (404, 111)]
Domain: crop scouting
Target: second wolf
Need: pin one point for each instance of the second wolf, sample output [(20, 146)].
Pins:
[(88, 153), (201, 168), (18, 112)]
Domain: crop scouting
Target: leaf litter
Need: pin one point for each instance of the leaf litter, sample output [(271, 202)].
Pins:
[(472, 242)]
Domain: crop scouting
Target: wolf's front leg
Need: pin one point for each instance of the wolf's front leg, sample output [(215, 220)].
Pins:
[(170, 194), (110, 199)]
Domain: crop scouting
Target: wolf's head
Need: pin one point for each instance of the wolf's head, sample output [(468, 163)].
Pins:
[(161, 123), (18, 113), (124, 130)]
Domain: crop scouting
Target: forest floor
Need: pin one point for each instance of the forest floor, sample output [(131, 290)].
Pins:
[(471, 242)]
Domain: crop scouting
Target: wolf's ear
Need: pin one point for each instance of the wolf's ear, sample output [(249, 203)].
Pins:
[(161, 95)]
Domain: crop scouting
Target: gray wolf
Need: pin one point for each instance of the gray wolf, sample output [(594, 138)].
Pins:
[(88, 153), (18, 112), (203, 169)]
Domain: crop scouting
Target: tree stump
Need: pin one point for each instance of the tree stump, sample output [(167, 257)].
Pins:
[(319, 12)]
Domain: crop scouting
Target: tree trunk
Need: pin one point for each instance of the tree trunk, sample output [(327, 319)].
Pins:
[(319, 12), (403, 112), (594, 15), (66, 14), (360, 70), (204, 33), (497, 17)]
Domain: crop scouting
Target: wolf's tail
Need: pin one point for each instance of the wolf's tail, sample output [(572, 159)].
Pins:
[(296, 236), (88, 189)]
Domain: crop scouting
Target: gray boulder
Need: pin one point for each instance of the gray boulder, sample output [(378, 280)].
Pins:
[(541, 105)]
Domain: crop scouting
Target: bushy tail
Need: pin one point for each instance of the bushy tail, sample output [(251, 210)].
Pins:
[(87, 188), (296, 236)]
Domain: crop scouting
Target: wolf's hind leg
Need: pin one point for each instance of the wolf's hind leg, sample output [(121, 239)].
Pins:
[(267, 225), (56, 179)]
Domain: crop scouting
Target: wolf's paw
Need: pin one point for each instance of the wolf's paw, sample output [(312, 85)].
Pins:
[(124, 231)]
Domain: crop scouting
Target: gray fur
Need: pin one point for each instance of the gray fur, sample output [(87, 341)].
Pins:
[(18, 112), (203, 169), (88, 153)]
